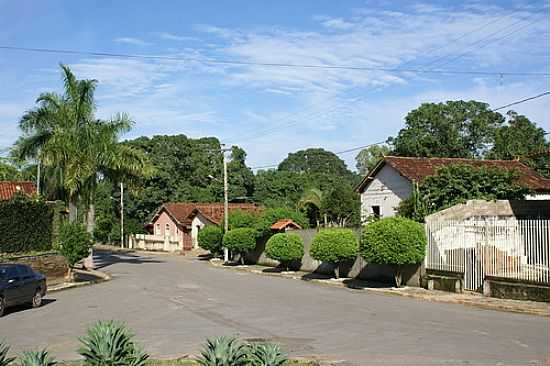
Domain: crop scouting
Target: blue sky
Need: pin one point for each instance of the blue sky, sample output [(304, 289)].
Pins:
[(273, 111)]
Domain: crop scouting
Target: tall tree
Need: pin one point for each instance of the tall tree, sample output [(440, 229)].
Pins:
[(341, 206), (367, 158), (453, 129), (240, 177), (315, 161)]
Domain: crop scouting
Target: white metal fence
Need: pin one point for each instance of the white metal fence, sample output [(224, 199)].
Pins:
[(507, 248)]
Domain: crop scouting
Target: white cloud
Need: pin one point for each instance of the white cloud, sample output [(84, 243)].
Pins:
[(131, 40), (175, 37)]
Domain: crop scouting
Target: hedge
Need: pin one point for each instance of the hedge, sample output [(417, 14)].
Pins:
[(240, 240), (395, 241), (210, 238), (25, 225), (285, 248), (334, 246)]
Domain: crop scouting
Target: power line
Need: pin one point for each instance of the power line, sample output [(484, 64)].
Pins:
[(521, 101), (271, 64)]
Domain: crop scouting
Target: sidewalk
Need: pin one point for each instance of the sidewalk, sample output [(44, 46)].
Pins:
[(86, 278), (467, 298)]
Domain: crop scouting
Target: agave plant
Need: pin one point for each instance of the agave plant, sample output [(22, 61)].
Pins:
[(267, 354), (110, 344), (36, 358), (224, 351), (4, 359)]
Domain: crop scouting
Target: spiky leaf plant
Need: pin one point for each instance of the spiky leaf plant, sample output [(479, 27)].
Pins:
[(4, 359), (224, 351), (110, 344), (267, 354), (36, 358)]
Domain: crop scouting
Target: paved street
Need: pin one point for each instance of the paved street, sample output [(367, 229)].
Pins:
[(174, 303)]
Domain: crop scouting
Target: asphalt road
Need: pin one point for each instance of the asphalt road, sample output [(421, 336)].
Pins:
[(173, 304)]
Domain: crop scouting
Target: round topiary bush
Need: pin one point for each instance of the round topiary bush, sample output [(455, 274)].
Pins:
[(285, 248), (240, 241), (334, 246), (395, 241), (210, 238)]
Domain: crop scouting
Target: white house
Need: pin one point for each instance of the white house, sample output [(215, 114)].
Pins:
[(392, 179)]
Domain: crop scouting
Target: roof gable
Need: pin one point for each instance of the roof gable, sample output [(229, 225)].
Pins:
[(9, 188), (417, 169), (184, 212)]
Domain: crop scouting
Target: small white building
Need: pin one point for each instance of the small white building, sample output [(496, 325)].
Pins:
[(393, 177)]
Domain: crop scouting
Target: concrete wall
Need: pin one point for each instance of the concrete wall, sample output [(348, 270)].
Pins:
[(198, 223), (387, 190), (154, 243), (358, 269)]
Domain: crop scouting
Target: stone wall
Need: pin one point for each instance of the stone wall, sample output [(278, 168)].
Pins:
[(517, 290), (358, 269), (52, 265)]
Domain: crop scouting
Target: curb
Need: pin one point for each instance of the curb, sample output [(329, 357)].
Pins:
[(102, 277), (393, 292)]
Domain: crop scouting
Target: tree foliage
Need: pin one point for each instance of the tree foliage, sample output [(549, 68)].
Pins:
[(341, 206), (285, 248), (272, 215), (455, 129), (334, 246), (395, 241), (241, 240), (367, 158), (210, 238), (242, 219), (74, 242), (458, 183)]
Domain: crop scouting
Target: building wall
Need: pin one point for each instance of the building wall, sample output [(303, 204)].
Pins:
[(386, 190), (197, 224)]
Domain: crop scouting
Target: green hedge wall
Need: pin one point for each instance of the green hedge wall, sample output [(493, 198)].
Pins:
[(25, 225)]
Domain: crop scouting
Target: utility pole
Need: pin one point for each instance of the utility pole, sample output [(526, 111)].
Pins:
[(225, 202), (121, 215)]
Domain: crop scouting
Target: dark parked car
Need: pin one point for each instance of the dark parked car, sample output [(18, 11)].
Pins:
[(20, 284)]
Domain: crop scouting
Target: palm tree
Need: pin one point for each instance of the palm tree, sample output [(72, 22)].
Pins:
[(52, 132)]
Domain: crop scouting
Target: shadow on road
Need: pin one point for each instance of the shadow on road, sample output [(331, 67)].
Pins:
[(104, 259), (26, 307)]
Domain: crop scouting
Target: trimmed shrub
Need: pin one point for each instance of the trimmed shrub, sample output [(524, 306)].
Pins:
[(334, 246), (395, 241), (272, 215), (240, 241), (26, 225), (285, 248), (111, 344), (74, 243), (241, 218), (210, 238)]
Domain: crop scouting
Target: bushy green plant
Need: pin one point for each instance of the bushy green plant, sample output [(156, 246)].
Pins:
[(267, 354), (334, 246), (240, 241), (36, 358), (285, 248), (395, 241), (74, 243), (210, 238), (242, 218), (224, 351), (26, 225), (272, 215), (111, 344), (4, 359)]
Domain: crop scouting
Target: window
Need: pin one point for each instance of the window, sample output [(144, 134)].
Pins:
[(157, 229), (167, 230), (376, 211)]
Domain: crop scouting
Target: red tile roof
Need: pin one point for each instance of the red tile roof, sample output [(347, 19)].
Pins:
[(283, 224), (184, 212), (417, 169), (9, 188)]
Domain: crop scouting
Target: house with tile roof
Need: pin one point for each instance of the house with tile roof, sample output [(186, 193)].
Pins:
[(9, 188), (182, 221), (393, 177)]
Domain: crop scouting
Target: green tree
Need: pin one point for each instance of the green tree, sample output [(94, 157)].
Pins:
[(334, 246), (240, 177), (458, 183), (367, 158), (395, 241), (455, 129), (274, 188), (285, 248), (210, 238), (242, 219), (310, 203), (74, 243), (341, 206), (272, 215), (241, 241)]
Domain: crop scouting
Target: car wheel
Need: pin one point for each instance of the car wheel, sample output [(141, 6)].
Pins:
[(2, 306), (37, 299)]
